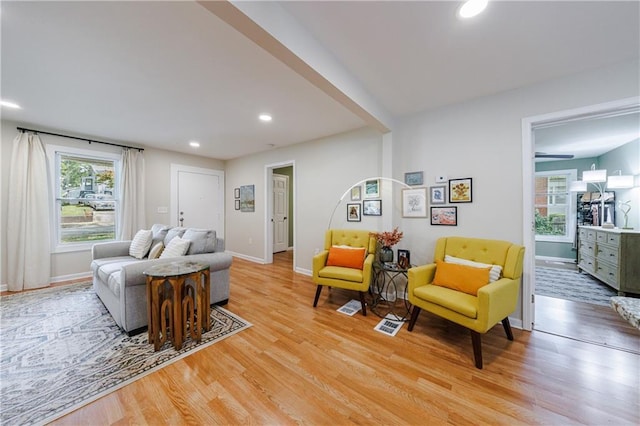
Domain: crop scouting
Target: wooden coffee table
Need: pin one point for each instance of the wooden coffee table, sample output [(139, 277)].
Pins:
[(177, 302)]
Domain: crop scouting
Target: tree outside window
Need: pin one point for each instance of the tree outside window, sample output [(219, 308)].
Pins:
[(85, 198)]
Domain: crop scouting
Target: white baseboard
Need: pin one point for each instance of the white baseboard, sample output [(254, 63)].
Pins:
[(303, 271), (61, 278), (556, 259), (58, 279), (245, 257)]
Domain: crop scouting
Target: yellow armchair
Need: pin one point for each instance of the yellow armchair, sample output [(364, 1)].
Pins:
[(343, 277), (494, 301)]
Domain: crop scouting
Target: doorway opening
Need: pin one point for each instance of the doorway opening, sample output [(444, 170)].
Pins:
[(567, 310), (280, 210)]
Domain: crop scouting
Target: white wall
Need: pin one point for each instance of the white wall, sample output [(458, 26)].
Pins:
[(157, 183), (482, 139), (324, 169)]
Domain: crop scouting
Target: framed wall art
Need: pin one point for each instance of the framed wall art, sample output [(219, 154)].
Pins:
[(372, 207), (372, 188), (404, 259), (438, 194), (460, 190), (353, 212), (414, 202), (413, 178), (247, 198), (444, 216), (236, 193), (355, 193), (237, 204)]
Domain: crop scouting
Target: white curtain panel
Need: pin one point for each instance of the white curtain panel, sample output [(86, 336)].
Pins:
[(28, 230), (131, 210)]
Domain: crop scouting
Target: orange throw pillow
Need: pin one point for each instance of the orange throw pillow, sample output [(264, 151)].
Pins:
[(467, 279), (346, 257)]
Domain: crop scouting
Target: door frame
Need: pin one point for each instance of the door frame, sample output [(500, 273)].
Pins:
[(268, 211), (173, 201), (528, 189), (288, 200)]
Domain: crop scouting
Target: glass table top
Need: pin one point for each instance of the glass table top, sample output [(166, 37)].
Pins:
[(175, 268)]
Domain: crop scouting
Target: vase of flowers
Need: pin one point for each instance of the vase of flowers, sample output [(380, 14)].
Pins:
[(386, 240)]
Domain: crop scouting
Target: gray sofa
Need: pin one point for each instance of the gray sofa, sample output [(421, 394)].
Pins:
[(119, 282)]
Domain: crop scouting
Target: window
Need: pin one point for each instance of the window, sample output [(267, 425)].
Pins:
[(85, 197), (555, 206)]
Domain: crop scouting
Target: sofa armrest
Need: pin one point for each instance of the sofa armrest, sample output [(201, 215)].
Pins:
[(110, 249), (497, 300), (420, 275), (219, 245), (319, 260)]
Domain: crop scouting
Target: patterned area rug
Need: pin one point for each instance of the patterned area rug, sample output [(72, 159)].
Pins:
[(572, 285), (60, 349)]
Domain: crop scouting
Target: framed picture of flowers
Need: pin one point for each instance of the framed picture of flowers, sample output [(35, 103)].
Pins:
[(460, 190)]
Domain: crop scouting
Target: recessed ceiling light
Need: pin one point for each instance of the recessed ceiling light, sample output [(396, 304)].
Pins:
[(265, 117), (10, 105), (194, 144), (472, 8)]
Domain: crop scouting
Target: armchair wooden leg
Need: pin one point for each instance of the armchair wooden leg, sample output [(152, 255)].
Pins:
[(507, 328), (476, 340), (415, 311), (318, 290), (362, 302)]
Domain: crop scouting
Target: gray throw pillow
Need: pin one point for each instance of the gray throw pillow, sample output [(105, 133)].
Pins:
[(159, 232), (202, 240), (172, 233)]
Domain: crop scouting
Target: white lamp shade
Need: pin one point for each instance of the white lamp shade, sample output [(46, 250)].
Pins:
[(578, 186), (594, 175), (620, 182)]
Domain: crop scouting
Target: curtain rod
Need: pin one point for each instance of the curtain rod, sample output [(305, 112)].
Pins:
[(22, 129)]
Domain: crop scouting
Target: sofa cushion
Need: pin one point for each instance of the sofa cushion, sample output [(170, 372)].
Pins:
[(347, 257), (156, 250), (159, 233), (105, 271), (97, 263), (494, 273), (461, 303), (141, 243), (339, 273), (202, 240), (114, 283), (177, 247), (172, 233), (467, 279)]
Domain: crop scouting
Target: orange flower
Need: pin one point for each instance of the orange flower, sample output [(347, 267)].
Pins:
[(388, 238)]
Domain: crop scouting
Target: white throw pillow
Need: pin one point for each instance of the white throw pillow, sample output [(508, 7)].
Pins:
[(177, 247), (156, 250), (141, 244), (494, 273)]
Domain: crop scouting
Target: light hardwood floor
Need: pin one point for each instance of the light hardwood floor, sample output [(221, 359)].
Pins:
[(303, 365)]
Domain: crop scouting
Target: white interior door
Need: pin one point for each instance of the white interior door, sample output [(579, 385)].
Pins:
[(198, 200), (280, 213)]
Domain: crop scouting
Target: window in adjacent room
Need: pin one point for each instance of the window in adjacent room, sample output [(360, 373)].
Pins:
[(85, 197), (555, 206)]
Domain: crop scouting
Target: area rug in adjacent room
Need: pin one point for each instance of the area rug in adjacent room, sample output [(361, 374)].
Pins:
[(572, 285), (60, 349)]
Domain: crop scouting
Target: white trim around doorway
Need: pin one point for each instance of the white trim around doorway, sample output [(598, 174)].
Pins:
[(528, 172), (268, 229)]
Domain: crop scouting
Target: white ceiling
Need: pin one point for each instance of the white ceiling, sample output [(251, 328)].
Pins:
[(164, 73)]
